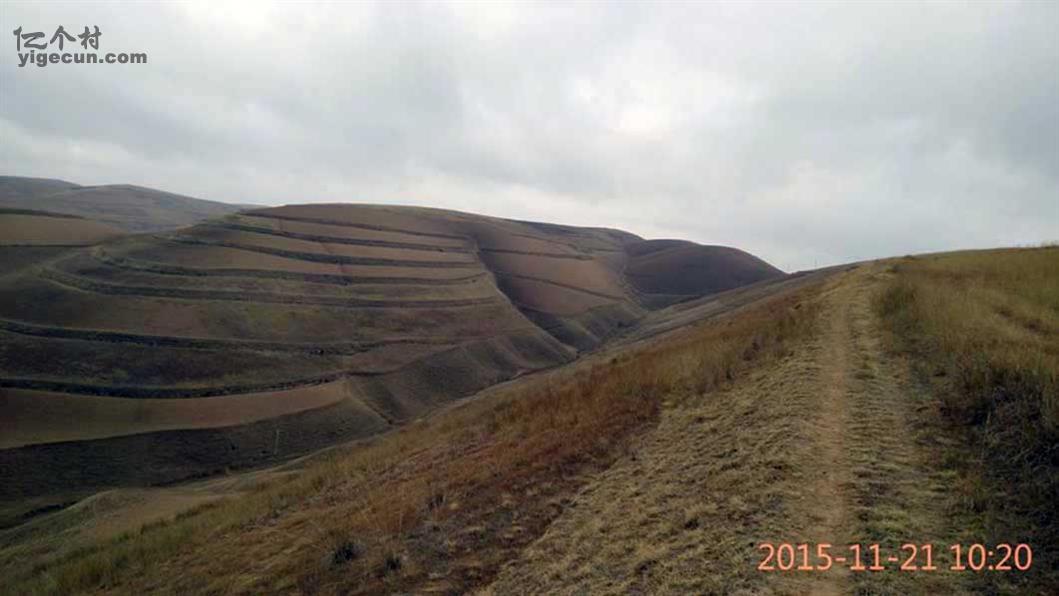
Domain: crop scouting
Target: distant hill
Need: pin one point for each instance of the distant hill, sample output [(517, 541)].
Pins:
[(273, 332), (676, 270), (130, 208)]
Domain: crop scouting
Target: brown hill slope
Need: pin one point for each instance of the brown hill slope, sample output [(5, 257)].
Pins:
[(290, 329), (669, 271), (658, 464), (28, 236), (24, 227), (131, 208), (436, 508)]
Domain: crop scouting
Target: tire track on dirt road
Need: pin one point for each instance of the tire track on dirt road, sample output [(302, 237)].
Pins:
[(684, 512), (820, 447)]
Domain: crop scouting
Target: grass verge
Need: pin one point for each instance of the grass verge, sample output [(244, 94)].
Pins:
[(983, 328)]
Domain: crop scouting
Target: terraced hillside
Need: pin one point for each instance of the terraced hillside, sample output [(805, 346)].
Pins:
[(837, 407), (125, 206), (271, 333), (28, 236), (26, 227)]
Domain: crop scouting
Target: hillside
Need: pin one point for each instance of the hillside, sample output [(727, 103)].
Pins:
[(272, 333), (28, 236), (826, 408), (669, 271), (130, 208), (524, 443), (24, 227)]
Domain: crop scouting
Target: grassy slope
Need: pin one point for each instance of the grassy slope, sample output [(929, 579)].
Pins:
[(438, 505), (840, 442), (983, 329)]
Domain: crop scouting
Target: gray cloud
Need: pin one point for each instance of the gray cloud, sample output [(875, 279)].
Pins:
[(809, 134)]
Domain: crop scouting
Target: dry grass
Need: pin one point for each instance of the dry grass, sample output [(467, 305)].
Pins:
[(681, 515), (984, 328), (440, 504), (824, 445)]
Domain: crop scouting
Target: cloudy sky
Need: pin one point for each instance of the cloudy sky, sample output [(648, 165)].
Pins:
[(809, 134)]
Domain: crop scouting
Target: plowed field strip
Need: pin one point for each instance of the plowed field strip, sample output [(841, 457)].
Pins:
[(82, 283), (339, 239), (500, 273), (333, 259), (203, 343), (362, 226), (549, 255), (170, 392), (319, 278)]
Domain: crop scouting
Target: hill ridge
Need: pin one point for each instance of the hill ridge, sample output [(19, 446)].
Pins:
[(131, 207), (393, 311)]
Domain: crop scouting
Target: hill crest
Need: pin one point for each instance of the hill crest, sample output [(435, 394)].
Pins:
[(126, 206), (317, 323)]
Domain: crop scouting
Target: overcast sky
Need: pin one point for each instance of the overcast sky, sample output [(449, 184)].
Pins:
[(808, 134)]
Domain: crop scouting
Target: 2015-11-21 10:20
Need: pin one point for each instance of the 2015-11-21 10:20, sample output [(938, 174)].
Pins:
[(913, 557)]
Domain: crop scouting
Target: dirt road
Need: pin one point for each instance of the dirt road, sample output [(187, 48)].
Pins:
[(826, 445)]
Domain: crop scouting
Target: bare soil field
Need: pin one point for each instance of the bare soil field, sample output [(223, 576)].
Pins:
[(46, 302), (343, 236), (547, 296), (494, 237), (262, 219), (588, 274), (406, 220), (198, 259), (260, 296), (38, 417), (42, 229), (104, 270), (249, 237)]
